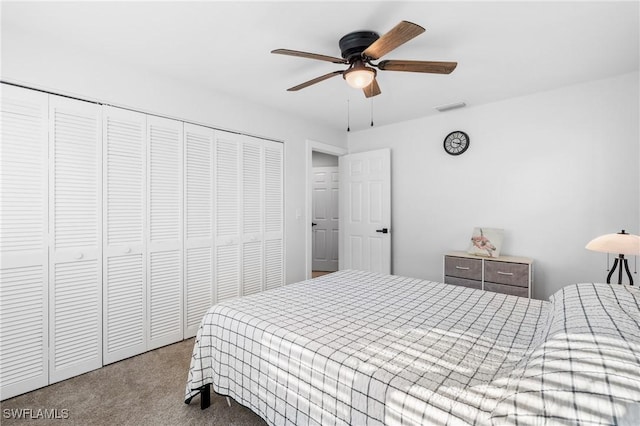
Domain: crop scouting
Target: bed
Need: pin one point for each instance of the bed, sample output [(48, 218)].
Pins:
[(360, 348)]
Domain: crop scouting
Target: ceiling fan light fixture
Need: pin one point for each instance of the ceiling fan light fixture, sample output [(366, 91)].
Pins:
[(359, 76)]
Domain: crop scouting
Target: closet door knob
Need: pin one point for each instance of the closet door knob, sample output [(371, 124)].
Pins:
[(127, 250), (79, 256)]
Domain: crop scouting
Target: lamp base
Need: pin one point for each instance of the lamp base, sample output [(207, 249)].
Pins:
[(618, 263)]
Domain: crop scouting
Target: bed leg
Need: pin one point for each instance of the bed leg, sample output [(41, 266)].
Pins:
[(228, 401), (205, 397)]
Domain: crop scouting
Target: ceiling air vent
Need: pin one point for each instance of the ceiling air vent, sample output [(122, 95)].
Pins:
[(443, 108)]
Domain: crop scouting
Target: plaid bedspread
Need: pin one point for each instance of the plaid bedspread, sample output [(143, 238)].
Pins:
[(359, 348), (586, 371)]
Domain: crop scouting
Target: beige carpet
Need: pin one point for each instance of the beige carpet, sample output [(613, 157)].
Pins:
[(147, 389)]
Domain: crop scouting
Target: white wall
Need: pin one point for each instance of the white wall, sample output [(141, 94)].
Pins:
[(43, 64), (554, 170)]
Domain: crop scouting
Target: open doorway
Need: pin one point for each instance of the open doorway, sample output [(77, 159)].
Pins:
[(322, 210), (324, 213)]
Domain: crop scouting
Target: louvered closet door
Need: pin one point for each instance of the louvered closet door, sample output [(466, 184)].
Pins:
[(75, 224), (198, 194), (23, 242), (227, 263), (165, 231), (274, 214), (252, 217), (124, 281)]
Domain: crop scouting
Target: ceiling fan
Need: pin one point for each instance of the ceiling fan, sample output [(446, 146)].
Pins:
[(359, 48)]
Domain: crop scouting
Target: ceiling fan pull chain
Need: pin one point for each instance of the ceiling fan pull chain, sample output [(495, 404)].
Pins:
[(371, 112), (348, 127)]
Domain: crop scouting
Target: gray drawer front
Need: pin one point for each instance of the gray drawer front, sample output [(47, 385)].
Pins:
[(463, 268), (507, 273), (463, 282), (507, 289)]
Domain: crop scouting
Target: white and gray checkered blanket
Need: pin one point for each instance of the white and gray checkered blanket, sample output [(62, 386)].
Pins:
[(359, 348)]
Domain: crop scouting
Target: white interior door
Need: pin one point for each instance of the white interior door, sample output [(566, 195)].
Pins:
[(198, 210), (365, 211), (75, 224), (226, 196), (24, 334), (252, 212), (165, 219), (325, 218), (124, 200), (273, 215)]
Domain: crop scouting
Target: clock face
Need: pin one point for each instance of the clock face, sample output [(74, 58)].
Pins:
[(456, 142)]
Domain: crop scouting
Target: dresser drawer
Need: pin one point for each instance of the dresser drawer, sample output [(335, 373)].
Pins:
[(463, 282), (507, 289), (463, 268), (507, 273)]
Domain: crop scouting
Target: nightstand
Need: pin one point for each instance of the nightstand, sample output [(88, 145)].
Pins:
[(503, 274)]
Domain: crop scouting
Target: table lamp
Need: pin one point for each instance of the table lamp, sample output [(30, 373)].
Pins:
[(620, 244)]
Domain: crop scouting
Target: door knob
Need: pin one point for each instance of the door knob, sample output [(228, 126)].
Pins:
[(313, 224), (383, 230)]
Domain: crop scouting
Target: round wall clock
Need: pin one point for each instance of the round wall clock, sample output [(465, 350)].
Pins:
[(456, 142)]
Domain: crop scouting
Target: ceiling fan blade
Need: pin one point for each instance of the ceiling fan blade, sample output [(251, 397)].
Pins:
[(309, 55), (398, 35), (418, 66), (372, 90), (314, 81)]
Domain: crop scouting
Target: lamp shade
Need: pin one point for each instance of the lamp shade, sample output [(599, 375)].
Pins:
[(359, 76), (620, 243)]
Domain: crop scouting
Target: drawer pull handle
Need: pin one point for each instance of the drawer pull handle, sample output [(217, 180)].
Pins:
[(465, 268), (505, 273)]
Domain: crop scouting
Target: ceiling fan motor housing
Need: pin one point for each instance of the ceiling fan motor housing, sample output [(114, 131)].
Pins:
[(353, 44)]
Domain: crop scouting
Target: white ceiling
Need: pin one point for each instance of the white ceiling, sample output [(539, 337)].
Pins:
[(503, 49)]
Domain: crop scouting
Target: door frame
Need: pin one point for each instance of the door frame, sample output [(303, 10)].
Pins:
[(324, 148)]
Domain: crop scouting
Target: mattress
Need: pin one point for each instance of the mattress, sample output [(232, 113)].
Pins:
[(360, 348)]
